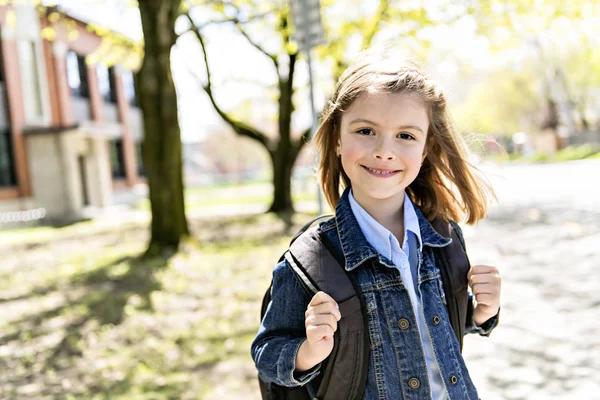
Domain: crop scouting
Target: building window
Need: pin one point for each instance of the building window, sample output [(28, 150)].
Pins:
[(113, 85), (140, 160), (77, 75), (7, 171), (106, 83), (117, 159), (31, 79), (129, 88)]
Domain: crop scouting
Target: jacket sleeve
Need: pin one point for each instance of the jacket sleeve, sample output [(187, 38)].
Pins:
[(471, 327), (282, 331), (487, 327)]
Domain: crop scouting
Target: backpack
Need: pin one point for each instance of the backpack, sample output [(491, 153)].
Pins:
[(320, 266)]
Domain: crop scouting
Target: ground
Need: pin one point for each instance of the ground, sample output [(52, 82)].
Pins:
[(83, 318)]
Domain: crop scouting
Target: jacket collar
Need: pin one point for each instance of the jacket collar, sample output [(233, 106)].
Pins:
[(355, 246)]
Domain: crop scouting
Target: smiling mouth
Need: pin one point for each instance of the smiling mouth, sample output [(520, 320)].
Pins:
[(381, 172)]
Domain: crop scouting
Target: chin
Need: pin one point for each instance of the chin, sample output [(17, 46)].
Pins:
[(384, 195)]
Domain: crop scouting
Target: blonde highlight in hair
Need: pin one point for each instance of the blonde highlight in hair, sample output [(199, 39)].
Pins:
[(447, 186)]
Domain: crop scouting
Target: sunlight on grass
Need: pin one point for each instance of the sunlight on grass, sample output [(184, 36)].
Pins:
[(82, 316), (237, 195)]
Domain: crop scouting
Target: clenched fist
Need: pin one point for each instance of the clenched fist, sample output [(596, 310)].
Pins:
[(321, 317), (485, 283)]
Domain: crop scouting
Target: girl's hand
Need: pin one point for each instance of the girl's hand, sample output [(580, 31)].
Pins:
[(321, 317), (485, 283)]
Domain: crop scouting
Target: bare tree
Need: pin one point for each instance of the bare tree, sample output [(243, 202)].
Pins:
[(284, 148)]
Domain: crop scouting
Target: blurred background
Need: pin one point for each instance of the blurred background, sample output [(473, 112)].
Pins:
[(155, 162)]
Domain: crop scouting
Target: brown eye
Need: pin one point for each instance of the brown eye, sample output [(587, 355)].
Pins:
[(365, 131), (406, 136)]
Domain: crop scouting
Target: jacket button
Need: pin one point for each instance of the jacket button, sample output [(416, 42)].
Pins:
[(436, 320), (453, 379), (414, 383), (403, 323)]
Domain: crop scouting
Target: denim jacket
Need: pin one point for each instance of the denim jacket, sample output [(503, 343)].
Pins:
[(397, 367)]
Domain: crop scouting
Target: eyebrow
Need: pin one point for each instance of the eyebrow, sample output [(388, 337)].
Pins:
[(375, 123)]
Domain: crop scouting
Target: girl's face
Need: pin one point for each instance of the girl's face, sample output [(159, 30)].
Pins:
[(382, 145)]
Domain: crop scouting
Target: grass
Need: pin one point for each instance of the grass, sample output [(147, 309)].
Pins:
[(242, 194), (84, 318), (582, 152), (569, 153), (594, 156)]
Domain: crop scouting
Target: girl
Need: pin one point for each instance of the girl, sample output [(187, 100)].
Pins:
[(387, 141)]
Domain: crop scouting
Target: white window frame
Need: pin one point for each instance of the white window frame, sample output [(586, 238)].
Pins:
[(28, 34)]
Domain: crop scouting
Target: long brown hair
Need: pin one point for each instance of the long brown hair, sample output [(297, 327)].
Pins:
[(447, 186)]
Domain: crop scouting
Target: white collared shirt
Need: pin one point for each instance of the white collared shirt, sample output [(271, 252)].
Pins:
[(388, 246)]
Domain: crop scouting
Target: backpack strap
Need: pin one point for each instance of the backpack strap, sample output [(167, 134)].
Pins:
[(454, 266), (297, 267), (308, 225), (270, 390), (320, 267)]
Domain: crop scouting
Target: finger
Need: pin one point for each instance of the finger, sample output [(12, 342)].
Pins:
[(317, 320), (493, 281), (335, 314), (485, 299), (320, 298), (480, 278), (324, 308), (483, 288), (481, 269), (319, 332)]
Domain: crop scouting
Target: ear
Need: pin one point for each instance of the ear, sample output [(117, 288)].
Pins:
[(423, 157)]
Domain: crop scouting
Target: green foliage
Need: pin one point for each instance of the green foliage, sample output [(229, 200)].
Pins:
[(556, 42), (587, 151), (526, 18), (114, 47), (539, 157), (575, 152), (504, 103)]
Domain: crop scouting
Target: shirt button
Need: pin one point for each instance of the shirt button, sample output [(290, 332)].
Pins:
[(414, 383), (436, 319), (453, 379), (403, 323)]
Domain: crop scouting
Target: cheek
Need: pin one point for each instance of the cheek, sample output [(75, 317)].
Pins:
[(413, 154), (351, 152)]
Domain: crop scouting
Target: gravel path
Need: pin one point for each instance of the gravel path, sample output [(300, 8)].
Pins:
[(544, 237)]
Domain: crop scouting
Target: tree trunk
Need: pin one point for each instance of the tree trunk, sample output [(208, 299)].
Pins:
[(284, 156), (161, 149), (283, 150), (283, 162)]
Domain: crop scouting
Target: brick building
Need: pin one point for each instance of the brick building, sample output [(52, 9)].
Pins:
[(70, 130)]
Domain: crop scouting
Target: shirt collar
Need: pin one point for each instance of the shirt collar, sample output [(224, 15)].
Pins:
[(357, 249), (380, 237)]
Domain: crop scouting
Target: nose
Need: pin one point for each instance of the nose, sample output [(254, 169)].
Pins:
[(383, 151)]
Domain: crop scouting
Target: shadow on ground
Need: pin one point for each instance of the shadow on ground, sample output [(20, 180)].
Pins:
[(100, 295), (125, 325)]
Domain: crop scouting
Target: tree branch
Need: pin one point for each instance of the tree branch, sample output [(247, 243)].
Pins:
[(304, 139), (238, 24), (193, 26), (235, 20), (238, 127), (379, 14), (257, 46)]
